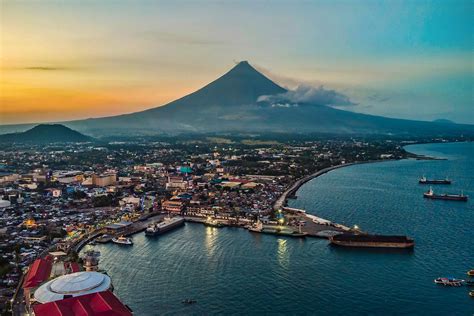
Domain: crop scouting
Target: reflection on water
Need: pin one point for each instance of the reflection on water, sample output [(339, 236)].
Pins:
[(283, 254), (210, 241)]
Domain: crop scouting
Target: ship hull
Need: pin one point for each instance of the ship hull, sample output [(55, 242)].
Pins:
[(278, 233), (434, 182), (446, 197), (373, 244), (165, 229), (218, 225), (372, 241)]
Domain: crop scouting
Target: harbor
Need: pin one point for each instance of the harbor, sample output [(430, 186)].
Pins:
[(234, 255)]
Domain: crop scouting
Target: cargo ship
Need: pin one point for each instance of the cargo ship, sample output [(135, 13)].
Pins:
[(423, 180), (372, 241), (451, 197), (166, 225), (278, 230)]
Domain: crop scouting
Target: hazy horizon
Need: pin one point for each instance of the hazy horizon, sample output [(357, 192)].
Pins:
[(71, 60)]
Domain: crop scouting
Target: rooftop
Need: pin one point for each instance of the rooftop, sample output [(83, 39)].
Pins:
[(74, 284), (38, 272), (95, 304)]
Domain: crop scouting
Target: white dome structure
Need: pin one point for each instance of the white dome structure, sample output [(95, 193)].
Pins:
[(70, 285)]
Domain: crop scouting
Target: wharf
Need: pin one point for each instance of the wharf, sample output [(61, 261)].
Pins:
[(135, 228), (314, 226)]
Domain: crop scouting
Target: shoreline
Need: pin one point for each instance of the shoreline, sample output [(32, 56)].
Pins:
[(282, 201)]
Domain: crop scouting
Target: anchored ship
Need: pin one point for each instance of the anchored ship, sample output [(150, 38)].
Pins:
[(166, 225), (452, 197), (424, 180), (372, 241), (278, 230)]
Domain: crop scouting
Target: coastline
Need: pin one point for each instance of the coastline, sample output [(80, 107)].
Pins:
[(281, 202)]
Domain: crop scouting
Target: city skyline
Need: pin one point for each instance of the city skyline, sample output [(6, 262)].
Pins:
[(66, 61)]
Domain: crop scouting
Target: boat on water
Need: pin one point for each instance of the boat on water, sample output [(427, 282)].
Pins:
[(449, 281), (166, 225), (451, 197), (470, 272), (212, 222), (276, 230), (371, 241), (122, 240), (189, 301), (424, 180), (471, 293)]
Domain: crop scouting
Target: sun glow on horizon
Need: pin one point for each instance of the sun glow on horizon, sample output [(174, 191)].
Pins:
[(69, 60)]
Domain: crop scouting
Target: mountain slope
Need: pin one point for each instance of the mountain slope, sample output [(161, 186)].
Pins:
[(46, 133)]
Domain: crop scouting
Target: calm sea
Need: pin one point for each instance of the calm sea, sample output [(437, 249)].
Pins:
[(232, 271)]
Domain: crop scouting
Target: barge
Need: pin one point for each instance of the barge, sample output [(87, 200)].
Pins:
[(166, 225), (371, 241)]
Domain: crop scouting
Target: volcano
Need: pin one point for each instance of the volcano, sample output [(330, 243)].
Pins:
[(46, 133), (233, 103)]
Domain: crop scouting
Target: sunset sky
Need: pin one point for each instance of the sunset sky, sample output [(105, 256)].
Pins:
[(63, 60)]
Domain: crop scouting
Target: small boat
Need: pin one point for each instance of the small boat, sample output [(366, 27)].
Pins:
[(451, 197), (423, 180), (449, 281), (122, 240), (211, 222), (471, 293), (189, 301), (470, 272)]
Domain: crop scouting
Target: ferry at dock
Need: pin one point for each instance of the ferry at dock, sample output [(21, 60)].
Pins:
[(212, 222), (122, 240), (424, 180), (166, 225), (277, 230), (451, 197)]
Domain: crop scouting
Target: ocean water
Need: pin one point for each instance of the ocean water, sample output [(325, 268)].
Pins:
[(231, 271)]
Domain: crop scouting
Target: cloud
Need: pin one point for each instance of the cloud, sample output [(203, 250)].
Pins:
[(45, 68), (304, 94)]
